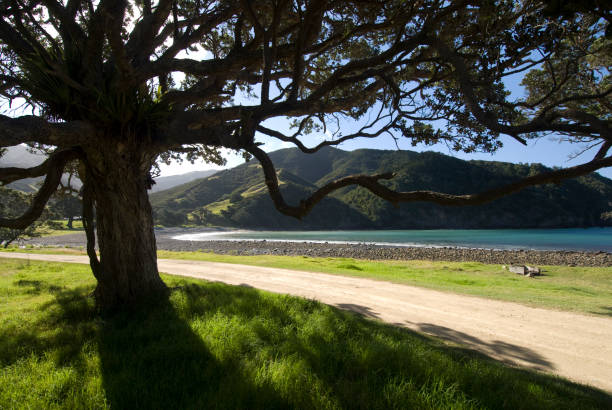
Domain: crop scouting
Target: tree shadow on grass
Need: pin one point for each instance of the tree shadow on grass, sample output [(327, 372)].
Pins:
[(603, 310), (358, 363), (36, 287), (149, 358), (506, 352), (63, 326), (217, 346), (359, 309), (152, 358)]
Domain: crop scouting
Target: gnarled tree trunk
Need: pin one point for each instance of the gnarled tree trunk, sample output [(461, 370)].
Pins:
[(127, 268)]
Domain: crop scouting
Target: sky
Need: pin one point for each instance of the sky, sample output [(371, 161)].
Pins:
[(547, 150)]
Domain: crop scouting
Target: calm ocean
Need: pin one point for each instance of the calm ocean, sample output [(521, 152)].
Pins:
[(591, 239)]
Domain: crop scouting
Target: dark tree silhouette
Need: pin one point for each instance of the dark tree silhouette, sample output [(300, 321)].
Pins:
[(117, 86), (67, 206)]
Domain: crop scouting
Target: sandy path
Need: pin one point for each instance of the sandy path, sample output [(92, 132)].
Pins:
[(574, 346)]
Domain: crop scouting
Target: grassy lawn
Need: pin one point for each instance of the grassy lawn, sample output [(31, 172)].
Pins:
[(216, 346), (577, 289)]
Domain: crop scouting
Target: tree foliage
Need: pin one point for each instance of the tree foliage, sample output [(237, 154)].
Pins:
[(117, 86)]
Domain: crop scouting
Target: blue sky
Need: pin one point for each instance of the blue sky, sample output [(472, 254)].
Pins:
[(547, 150)]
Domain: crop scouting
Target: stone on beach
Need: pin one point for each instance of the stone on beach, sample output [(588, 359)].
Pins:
[(524, 270), (519, 269)]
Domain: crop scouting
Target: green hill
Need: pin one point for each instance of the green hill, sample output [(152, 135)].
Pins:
[(238, 197)]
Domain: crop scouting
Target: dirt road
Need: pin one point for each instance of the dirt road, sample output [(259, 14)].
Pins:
[(578, 347)]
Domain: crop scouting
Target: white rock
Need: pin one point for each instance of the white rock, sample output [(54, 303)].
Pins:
[(521, 270)]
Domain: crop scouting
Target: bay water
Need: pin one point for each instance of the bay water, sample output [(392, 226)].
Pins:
[(571, 239)]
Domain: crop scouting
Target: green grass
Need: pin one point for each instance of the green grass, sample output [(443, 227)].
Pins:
[(217, 207), (578, 289), (217, 346), (254, 190)]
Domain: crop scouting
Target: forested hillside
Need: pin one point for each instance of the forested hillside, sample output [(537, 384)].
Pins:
[(238, 197)]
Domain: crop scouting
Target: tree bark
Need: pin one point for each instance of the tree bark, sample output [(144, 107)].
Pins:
[(127, 268)]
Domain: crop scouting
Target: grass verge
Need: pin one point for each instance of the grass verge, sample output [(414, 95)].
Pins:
[(576, 289), (216, 346)]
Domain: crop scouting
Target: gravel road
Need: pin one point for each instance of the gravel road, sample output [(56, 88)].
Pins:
[(571, 345)]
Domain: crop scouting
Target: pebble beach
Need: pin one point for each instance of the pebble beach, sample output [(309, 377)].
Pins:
[(165, 241)]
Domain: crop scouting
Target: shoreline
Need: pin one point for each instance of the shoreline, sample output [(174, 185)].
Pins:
[(358, 251)]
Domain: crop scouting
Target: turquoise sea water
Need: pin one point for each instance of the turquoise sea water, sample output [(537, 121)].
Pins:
[(591, 239)]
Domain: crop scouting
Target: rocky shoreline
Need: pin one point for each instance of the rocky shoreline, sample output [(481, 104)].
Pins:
[(359, 251)]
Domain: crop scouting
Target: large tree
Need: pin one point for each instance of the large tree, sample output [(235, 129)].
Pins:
[(116, 86)]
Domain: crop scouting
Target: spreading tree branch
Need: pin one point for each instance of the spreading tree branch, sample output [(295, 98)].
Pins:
[(327, 143), (29, 128), (10, 174), (55, 167), (70, 31), (605, 147), (142, 39), (488, 119)]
